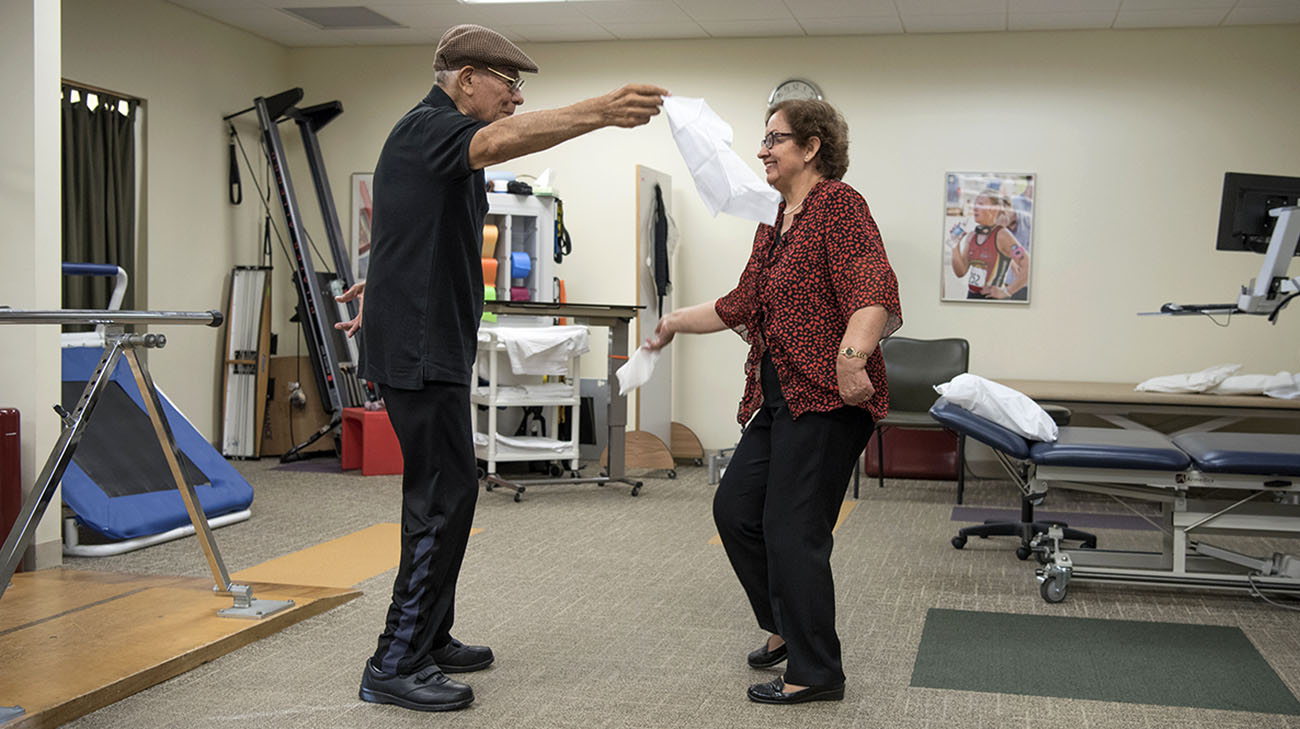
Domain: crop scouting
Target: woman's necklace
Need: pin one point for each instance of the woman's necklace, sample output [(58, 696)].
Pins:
[(795, 209)]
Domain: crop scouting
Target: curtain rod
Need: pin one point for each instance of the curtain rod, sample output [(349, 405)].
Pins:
[(98, 90)]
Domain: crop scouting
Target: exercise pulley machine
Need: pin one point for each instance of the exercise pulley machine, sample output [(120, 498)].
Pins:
[(334, 357)]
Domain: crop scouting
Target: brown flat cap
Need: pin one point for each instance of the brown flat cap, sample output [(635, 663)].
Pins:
[(466, 45)]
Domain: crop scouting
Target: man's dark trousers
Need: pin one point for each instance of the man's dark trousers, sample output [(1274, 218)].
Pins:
[(439, 490)]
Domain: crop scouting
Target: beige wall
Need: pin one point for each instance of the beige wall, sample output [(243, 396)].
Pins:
[(1130, 133), (190, 71)]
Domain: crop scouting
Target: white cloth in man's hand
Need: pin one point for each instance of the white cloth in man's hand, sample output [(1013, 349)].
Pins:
[(724, 181)]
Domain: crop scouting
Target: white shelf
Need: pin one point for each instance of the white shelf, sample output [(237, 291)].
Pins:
[(507, 389)]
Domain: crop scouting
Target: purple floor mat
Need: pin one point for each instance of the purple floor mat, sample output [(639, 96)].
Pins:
[(1077, 520)]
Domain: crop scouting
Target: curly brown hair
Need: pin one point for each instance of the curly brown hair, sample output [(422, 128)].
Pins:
[(808, 119)]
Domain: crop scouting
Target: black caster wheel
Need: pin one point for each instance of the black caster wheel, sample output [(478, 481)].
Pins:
[(574, 474), (959, 541), (482, 474), (698, 461), (518, 498), (636, 490), (1052, 589), (555, 470), (1022, 552), (672, 473), (488, 486)]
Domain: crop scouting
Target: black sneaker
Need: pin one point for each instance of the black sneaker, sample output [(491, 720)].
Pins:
[(456, 657), (428, 689)]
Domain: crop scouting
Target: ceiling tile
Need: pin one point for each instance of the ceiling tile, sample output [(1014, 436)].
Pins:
[(954, 23), (1060, 21), (638, 31), (540, 33), (447, 15), (950, 7), (1136, 5), (731, 10), (851, 26), (1062, 6), (825, 9), (1168, 18), (1263, 16), (632, 11), (752, 28)]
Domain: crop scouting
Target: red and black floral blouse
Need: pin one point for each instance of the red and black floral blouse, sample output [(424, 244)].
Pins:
[(796, 295)]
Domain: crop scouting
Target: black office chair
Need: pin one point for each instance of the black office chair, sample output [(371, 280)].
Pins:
[(913, 367)]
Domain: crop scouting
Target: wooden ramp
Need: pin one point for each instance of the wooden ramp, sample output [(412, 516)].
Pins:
[(72, 641)]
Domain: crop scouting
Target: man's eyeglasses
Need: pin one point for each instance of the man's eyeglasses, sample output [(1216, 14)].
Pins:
[(774, 138), (515, 83)]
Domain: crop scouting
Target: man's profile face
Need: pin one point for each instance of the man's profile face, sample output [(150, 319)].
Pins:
[(499, 97)]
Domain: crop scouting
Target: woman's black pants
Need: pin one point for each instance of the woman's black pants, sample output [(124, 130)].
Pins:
[(775, 508)]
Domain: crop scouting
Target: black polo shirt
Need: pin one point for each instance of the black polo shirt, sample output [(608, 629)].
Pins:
[(424, 289)]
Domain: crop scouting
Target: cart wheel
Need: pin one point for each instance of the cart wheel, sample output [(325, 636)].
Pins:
[(488, 486), (574, 474), (698, 461), (959, 541), (518, 498), (636, 489), (1022, 552), (555, 470), (1053, 589), (482, 474), (672, 473)]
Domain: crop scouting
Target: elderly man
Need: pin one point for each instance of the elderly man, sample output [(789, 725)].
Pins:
[(422, 308)]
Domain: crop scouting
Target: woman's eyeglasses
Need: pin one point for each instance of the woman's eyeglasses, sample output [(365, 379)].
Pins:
[(774, 138)]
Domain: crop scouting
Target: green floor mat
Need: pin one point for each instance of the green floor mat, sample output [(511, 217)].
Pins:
[(1167, 664)]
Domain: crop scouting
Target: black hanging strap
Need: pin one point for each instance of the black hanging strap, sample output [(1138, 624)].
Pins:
[(236, 187), (563, 243), (661, 248)]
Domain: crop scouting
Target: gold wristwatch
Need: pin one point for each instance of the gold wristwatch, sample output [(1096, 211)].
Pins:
[(851, 352)]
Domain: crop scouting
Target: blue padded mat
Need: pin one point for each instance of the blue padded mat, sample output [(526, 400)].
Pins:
[(147, 501)]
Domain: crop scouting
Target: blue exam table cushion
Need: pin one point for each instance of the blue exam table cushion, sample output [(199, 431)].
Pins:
[(1263, 454), (1111, 448), (980, 428)]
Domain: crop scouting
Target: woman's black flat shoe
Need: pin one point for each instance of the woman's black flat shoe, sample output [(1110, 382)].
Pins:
[(773, 692), (764, 658)]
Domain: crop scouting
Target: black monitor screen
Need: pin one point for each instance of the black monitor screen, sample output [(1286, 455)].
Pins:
[(1244, 222)]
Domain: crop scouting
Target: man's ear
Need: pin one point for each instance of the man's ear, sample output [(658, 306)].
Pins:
[(465, 80)]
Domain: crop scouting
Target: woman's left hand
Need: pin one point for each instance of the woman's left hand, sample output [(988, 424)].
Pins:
[(854, 383)]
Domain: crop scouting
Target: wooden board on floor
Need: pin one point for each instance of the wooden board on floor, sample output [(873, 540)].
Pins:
[(72, 642)]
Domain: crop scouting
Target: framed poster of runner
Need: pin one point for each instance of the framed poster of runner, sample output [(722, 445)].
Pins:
[(988, 224)]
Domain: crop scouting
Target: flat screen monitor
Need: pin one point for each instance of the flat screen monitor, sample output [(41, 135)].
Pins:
[(1244, 222)]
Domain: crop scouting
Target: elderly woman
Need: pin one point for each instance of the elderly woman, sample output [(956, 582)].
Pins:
[(998, 265), (813, 302)]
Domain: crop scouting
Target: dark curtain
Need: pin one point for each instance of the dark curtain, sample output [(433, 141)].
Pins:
[(98, 195)]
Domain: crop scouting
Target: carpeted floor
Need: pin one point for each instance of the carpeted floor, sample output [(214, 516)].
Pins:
[(611, 611)]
